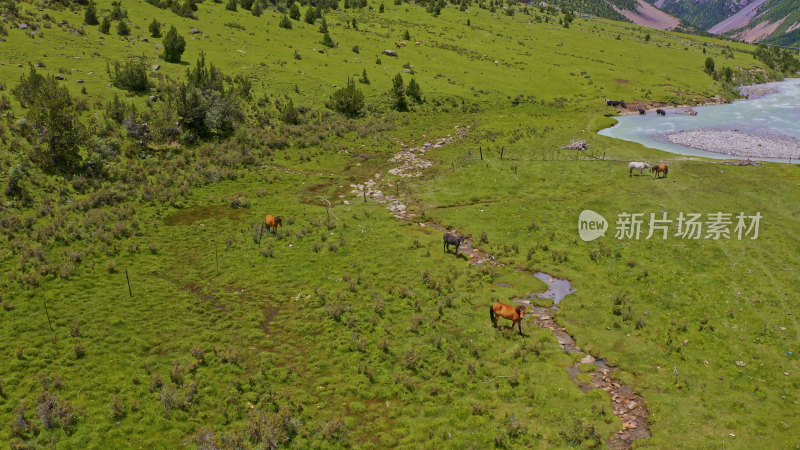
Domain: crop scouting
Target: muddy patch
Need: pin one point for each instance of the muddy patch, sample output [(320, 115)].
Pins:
[(193, 214), (269, 316)]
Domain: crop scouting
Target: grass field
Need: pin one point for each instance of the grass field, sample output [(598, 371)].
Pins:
[(348, 327)]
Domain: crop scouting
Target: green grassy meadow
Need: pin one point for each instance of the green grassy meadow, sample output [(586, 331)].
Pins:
[(348, 327)]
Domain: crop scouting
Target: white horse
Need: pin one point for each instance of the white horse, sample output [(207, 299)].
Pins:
[(637, 165)]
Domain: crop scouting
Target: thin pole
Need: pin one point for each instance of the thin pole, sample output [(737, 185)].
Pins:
[(48, 315), (129, 283), (481, 150)]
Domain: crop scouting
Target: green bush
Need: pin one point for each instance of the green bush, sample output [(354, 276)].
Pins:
[(131, 76), (155, 29), (285, 23), (90, 16), (174, 46), (348, 100)]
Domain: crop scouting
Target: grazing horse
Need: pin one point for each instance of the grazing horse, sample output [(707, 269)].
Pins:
[(642, 111), (637, 165), (661, 112), (452, 239), (418, 43), (272, 223), (513, 313), (659, 169)]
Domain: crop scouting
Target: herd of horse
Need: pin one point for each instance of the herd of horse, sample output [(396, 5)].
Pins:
[(642, 111), (658, 170)]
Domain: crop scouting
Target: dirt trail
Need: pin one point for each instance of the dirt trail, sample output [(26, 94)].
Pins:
[(627, 404)]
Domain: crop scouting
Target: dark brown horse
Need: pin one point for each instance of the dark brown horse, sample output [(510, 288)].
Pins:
[(659, 169), (513, 313)]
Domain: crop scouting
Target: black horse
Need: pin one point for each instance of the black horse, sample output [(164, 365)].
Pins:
[(452, 239), (661, 112)]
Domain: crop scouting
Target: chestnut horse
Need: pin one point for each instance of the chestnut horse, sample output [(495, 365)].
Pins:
[(272, 223), (658, 169), (513, 313)]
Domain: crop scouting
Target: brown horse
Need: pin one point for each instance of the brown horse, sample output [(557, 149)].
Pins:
[(272, 223), (513, 313), (658, 169)]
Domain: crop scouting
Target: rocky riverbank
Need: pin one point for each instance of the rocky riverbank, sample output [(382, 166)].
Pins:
[(739, 143)]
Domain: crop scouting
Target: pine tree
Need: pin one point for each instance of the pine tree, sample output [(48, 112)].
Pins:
[(90, 17), (123, 29), (231, 5), (364, 79), (413, 91), (258, 9), (174, 45), (155, 29), (311, 15), (327, 41), (323, 27), (294, 12), (105, 25), (399, 93), (285, 22)]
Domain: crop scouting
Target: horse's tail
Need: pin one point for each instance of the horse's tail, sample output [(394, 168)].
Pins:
[(491, 315)]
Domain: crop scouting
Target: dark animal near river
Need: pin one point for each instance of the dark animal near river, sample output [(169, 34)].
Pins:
[(661, 112), (452, 239), (642, 112), (513, 313)]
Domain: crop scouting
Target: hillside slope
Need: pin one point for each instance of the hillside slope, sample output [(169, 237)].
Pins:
[(145, 305)]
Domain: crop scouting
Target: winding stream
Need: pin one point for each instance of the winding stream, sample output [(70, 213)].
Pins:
[(627, 404)]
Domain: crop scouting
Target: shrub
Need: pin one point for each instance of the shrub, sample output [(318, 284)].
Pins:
[(327, 41), (294, 12), (117, 408), (90, 16), (311, 15), (231, 5), (155, 29), (80, 351), (258, 9), (285, 23), (174, 46), (348, 100), (105, 25), (709, 67), (123, 29), (131, 76), (364, 78)]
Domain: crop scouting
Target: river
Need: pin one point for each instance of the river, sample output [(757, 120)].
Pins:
[(769, 124)]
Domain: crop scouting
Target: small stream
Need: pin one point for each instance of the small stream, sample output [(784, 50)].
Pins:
[(627, 404)]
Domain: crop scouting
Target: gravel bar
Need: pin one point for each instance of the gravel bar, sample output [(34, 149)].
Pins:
[(738, 143)]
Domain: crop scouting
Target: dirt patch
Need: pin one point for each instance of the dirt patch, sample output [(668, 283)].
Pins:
[(269, 316), (622, 81)]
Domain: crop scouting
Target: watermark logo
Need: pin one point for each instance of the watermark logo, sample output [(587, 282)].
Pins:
[(633, 226), (591, 225)]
